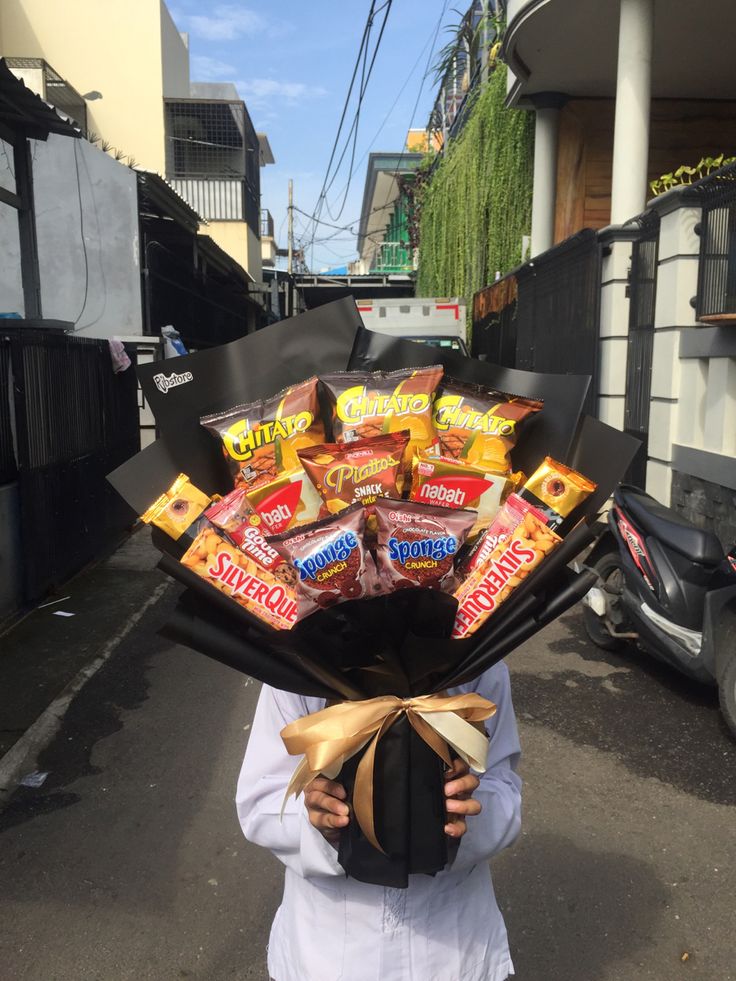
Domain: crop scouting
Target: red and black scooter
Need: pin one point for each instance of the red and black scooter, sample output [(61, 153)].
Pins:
[(667, 586)]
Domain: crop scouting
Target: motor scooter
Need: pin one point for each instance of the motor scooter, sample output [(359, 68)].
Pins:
[(668, 587)]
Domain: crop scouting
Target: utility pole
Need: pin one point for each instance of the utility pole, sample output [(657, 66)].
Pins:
[(290, 261)]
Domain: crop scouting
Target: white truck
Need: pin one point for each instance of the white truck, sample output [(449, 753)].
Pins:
[(431, 320)]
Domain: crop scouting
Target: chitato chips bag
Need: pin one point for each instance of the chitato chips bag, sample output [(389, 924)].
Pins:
[(478, 425), (417, 544), (374, 403), (260, 440), (345, 473), (330, 559)]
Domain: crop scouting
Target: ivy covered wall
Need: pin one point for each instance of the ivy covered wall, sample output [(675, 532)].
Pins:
[(478, 203)]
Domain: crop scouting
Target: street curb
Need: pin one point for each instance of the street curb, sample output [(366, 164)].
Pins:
[(42, 731)]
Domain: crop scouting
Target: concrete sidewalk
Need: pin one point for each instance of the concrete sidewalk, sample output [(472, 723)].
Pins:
[(47, 657)]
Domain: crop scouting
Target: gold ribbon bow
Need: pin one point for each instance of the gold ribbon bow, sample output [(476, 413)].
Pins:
[(328, 738)]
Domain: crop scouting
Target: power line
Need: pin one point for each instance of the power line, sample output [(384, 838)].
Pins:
[(353, 132)]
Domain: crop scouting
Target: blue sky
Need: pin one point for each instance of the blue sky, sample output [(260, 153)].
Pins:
[(292, 64)]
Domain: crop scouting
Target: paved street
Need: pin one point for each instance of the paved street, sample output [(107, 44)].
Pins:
[(129, 864)]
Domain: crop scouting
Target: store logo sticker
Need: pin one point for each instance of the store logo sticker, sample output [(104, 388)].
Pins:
[(165, 382)]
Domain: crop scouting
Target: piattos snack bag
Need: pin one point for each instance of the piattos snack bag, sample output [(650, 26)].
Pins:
[(373, 403), (236, 575), (178, 508), (490, 585), (417, 544), (330, 559), (260, 440), (508, 519), (364, 470), (455, 484), (480, 425), (288, 501), (556, 490)]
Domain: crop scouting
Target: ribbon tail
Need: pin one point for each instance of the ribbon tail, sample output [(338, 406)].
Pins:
[(299, 780), (363, 790), (467, 741)]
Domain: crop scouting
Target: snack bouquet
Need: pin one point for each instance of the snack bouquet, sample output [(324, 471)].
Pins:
[(372, 526)]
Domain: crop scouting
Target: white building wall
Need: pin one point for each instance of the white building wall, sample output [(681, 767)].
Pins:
[(174, 58), (87, 229)]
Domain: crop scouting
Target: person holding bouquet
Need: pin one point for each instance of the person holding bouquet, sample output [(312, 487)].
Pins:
[(329, 927)]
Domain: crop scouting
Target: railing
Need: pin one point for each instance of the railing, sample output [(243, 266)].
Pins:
[(213, 198), (74, 421), (393, 257), (716, 296), (266, 224)]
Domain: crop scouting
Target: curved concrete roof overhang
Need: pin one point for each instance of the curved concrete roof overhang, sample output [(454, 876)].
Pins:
[(571, 47)]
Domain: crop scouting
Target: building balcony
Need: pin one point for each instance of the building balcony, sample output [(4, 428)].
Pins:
[(393, 257), (213, 158), (571, 47), (266, 224), (215, 198)]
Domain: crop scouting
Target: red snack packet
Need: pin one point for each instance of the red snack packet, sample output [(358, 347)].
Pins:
[(260, 440), (451, 483), (501, 528), (417, 543), (330, 559), (288, 501), (345, 473)]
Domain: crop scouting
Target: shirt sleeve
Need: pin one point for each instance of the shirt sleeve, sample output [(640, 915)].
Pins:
[(499, 822), (264, 777)]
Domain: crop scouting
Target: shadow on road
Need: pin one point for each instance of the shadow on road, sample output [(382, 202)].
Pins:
[(573, 913), (657, 722)]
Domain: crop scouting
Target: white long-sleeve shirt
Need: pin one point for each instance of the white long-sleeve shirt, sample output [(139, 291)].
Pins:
[(446, 927)]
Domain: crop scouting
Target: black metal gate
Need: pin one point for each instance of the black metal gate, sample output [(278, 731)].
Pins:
[(73, 421), (640, 348), (546, 315)]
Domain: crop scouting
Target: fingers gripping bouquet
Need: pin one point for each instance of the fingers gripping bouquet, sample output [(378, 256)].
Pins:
[(371, 541)]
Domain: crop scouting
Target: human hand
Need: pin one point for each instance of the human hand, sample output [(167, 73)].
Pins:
[(325, 803), (460, 784)]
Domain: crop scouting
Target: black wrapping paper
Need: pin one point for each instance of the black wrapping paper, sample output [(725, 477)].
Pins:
[(398, 644)]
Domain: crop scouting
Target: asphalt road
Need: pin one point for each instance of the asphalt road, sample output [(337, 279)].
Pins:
[(129, 864)]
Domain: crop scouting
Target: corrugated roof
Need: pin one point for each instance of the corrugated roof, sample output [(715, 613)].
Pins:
[(22, 109), (162, 197)]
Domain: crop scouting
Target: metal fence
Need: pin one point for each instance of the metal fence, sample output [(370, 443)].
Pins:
[(545, 317), (74, 421), (205, 309), (716, 296), (640, 343)]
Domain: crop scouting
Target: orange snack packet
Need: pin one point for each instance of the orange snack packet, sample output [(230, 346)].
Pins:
[(260, 440), (373, 403), (236, 575), (490, 584), (480, 425)]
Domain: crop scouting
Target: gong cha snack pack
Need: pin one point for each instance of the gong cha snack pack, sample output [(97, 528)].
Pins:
[(373, 403), (417, 544), (363, 471), (261, 439), (331, 561), (480, 426)]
